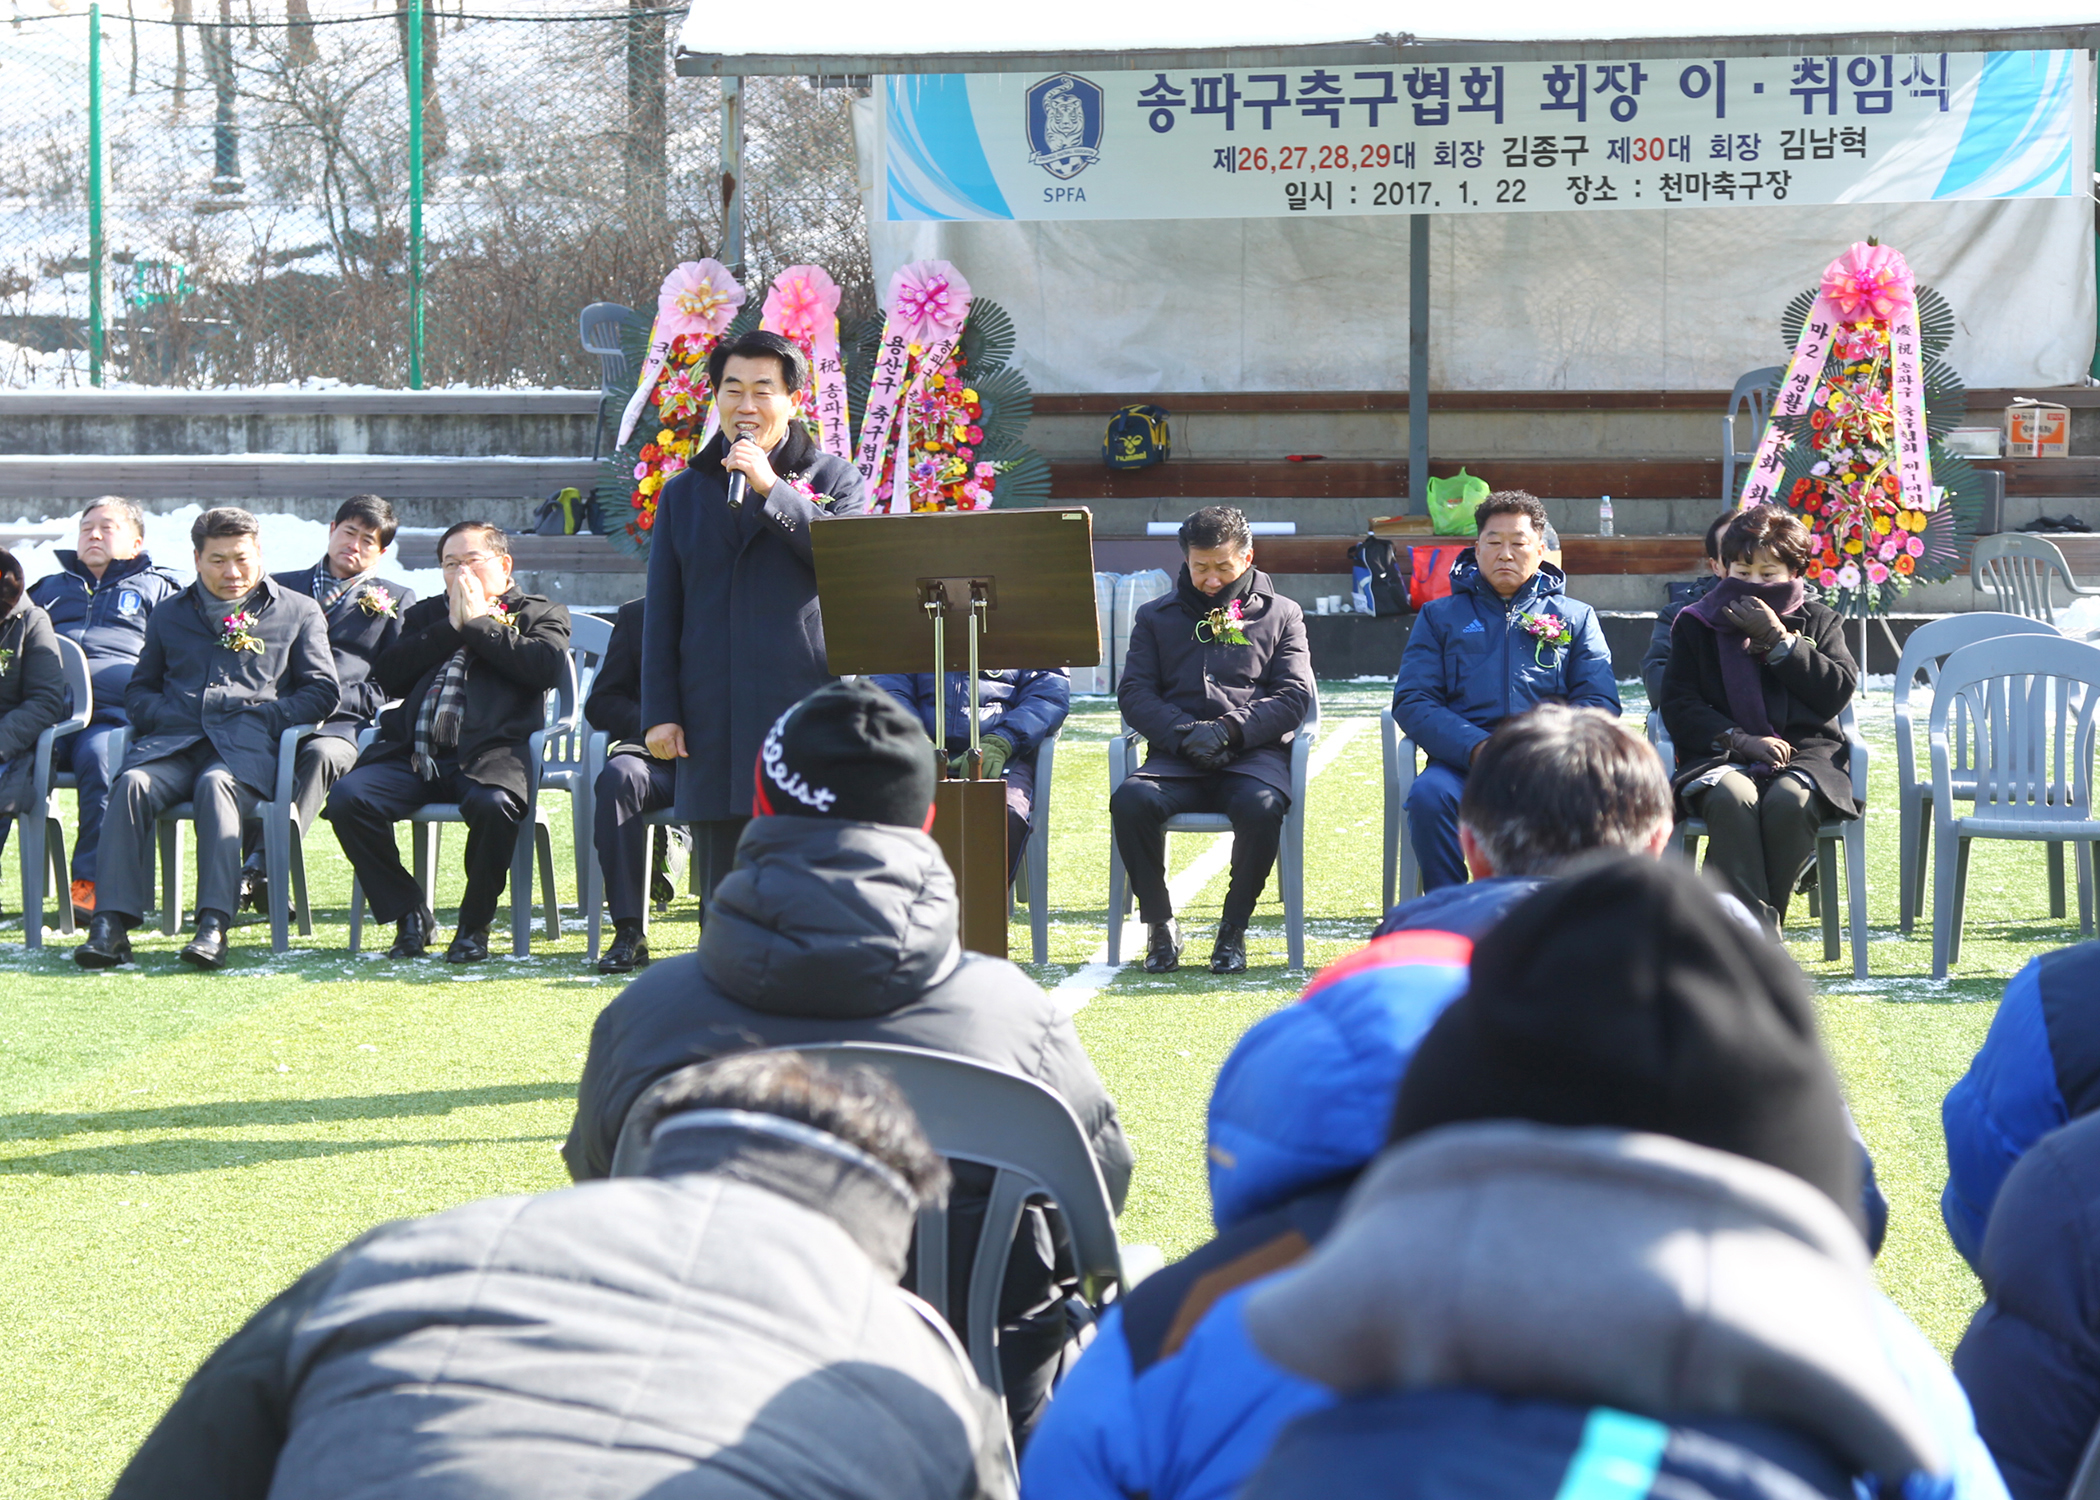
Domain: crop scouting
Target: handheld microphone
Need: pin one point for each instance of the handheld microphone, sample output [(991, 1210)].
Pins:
[(737, 486)]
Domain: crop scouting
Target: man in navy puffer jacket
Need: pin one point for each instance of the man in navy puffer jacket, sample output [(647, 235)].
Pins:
[(2031, 1358), (1508, 637), (1170, 1400), (2038, 1069), (100, 597)]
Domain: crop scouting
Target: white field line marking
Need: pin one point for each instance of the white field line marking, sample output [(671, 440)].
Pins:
[(1077, 988)]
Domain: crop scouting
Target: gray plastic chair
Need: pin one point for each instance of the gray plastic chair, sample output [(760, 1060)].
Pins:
[(973, 1112), (2018, 569), (2029, 703), (1928, 647), (600, 327), (2085, 1483), (1850, 833), (1032, 880), (41, 838), (284, 854), (426, 822), (1403, 875), (566, 766), (1290, 856), (1753, 392)]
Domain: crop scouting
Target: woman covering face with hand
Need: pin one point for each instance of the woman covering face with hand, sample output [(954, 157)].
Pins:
[(1758, 675)]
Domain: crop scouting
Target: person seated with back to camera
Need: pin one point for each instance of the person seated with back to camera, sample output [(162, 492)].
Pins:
[(727, 1323), (472, 670), (1758, 675), (364, 621), (229, 664), (1683, 593), (100, 598), (1506, 637), (1016, 712), (1217, 680), (633, 784)]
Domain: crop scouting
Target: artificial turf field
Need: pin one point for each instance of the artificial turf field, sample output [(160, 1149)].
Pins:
[(175, 1146)]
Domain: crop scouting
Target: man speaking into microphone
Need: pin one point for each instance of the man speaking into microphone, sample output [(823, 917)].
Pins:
[(731, 636)]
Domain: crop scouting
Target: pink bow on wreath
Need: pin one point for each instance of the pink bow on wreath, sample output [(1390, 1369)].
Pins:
[(700, 296), (1869, 281), (803, 303), (930, 301)]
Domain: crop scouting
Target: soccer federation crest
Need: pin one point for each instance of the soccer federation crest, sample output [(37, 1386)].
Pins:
[(1065, 121)]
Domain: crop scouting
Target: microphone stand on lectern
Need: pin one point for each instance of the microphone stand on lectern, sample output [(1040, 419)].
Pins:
[(1022, 583)]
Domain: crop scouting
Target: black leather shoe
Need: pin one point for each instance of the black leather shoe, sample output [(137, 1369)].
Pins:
[(255, 890), (108, 943), (468, 948), (207, 950), (1163, 947), (629, 950), (412, 934), (1228, 955)]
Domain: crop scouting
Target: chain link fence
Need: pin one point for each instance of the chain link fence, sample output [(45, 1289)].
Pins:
[(258, 223)]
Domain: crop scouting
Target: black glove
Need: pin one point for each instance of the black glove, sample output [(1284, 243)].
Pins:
[(1209, 745)]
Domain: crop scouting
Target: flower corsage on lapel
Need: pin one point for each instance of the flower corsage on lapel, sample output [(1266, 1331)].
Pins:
[(1221, 627), (7, 660), (237, 632), (378, 603), (1547, 631), (502, 613)]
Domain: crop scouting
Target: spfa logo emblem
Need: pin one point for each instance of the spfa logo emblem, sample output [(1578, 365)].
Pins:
[(1065, 121)]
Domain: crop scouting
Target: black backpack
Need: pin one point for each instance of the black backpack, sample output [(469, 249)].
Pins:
[(561, 514), (1136, 438), (1380, 588)]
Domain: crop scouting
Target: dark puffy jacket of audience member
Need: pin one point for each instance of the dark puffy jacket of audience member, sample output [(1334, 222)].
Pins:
[(727, 1326), (106, 617), (2031, 1358), (830, 931), (2038, 1069), (1617, 1233), (1469, 909), (1024, 708), (1171, 1401)]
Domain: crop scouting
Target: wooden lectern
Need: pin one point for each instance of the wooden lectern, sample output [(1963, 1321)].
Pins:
[(1019, 585)]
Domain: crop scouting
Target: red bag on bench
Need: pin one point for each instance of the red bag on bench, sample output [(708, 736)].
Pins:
[(1429, 573)]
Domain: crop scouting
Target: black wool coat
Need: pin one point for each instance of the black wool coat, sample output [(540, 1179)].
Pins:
[(1804, 695), (509, 675), (188, 687), (615, 702), (32, 697), (732, 637), (1172, 681), (358, 633)]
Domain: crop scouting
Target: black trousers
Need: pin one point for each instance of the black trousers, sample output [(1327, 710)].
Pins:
[(1139, 811), (139, 796), (629, 787), (366, 804)]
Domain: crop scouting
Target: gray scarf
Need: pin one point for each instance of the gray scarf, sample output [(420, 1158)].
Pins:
[(438, 715), (328, 588)]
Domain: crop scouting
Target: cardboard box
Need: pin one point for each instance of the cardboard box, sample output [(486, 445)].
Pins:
[(1401, 526), (2037, 429)]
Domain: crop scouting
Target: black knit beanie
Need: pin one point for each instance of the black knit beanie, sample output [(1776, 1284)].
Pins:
[(848, 751), (1624, 995)]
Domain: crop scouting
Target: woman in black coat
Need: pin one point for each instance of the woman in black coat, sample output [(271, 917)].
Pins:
[(731, 637), (1758, 675), (32, 688)]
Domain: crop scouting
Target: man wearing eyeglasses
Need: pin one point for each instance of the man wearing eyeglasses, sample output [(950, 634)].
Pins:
[(472, 670)]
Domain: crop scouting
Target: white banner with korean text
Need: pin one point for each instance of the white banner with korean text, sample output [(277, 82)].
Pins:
[(1746, 132)]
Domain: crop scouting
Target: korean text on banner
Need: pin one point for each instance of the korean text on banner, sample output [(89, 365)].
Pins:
[(1747, 132)]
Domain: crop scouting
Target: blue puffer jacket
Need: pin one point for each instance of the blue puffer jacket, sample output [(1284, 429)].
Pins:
[(105, 618), (2038, 1069), (1023, 708), (1171, 1400), (1470, 663), (2031, 1358), (1469, 909)]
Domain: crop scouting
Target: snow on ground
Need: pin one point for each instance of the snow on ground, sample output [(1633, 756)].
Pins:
[(288, 542)]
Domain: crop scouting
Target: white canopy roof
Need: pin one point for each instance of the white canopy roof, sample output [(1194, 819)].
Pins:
[(835, 36)]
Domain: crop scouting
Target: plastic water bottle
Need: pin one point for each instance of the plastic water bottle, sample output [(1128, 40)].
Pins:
[(1604, 516)]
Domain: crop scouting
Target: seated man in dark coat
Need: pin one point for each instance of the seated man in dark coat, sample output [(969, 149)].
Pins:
[(1016, 713), (364, 620), (2031, 1358), (633, 784), (230, 663), (100, 598), (727, 1324), (733, 637), (1218, 680), (838, 924), (1506, 637), (32, 692), (472, 671)]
